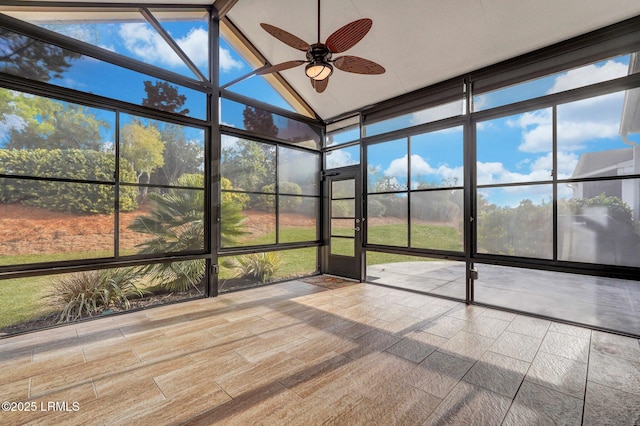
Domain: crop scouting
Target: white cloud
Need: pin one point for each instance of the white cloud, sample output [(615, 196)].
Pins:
[(339, 158), (589, 74), (227, 62), (147, 44), (196, 45), (495, 172), (397, 167), (578, 123), (567, 162), (419, 167)]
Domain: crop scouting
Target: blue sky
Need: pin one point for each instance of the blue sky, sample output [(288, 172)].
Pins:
[(510, 149), (518, 148), (139, 40)]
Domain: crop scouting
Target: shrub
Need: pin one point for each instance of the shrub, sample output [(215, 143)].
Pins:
[(615, 207), (86, 294), (238, 199), (287, 204), (79, 164), (258, 265)]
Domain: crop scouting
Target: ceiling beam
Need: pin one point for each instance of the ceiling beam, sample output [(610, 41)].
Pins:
[(223, 7)]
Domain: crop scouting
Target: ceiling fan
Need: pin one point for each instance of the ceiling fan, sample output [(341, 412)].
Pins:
[(320, 60)]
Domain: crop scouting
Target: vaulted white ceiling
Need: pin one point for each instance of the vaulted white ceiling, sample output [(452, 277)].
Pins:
[(419, 42)]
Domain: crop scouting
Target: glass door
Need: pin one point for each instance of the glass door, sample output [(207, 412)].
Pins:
[(345, 223)]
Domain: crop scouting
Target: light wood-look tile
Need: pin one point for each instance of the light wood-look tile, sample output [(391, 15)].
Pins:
[(298, 354)]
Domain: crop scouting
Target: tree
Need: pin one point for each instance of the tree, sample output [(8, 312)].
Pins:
[(142, 146), (32, 59), (180, 156), (165, 97), (524, 230), (249, 165), (259, 121), (49, 124)]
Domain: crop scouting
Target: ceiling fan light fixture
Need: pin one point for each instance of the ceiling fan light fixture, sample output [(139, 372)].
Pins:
[(318, 70)]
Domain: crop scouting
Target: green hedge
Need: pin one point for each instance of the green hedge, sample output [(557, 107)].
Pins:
[(65, 196), (287, 204)]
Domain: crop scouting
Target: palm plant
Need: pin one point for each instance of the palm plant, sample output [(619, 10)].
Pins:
[(176, 224)]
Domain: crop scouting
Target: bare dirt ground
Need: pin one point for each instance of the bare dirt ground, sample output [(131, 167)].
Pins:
[(30, 230)]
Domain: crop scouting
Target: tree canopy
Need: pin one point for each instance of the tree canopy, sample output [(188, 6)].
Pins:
[(33, 59), (259, 121), (50, 124), (164, 96), (142, 146)]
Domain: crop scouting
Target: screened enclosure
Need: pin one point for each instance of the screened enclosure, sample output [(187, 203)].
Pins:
[(143, 162)]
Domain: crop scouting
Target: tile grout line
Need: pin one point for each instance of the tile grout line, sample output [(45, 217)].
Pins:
[(586, 380)]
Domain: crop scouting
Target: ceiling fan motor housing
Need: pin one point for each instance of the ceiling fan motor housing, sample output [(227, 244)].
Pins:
[(319, 58)]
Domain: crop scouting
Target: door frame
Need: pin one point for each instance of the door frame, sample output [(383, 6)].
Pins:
[(337, 264)]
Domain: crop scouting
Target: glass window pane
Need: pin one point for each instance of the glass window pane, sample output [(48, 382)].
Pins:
[(248, 220), (160, 153), (44, 221), (437, 220), (125, 31), (248, 165), (343, 208), (579, 77), (265, 123), (343, 189), (169, 221), (437, 159), (343, 157), (348, 134), (189, 28), (388, 166), (427, 115), (298, 171), (343, 246), (237, 272), (598, 136), (38, 302), (599, 223), (297, 219), (516, 221), (44, 137), (517, 148), (343, 227), (40, 61), (387, 219)]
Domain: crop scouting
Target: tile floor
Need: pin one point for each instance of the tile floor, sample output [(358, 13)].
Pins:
[(295, 353), (596, 301)]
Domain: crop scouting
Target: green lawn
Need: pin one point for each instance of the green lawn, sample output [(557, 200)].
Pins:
[(20, 259), (422, 236), (21, 299)]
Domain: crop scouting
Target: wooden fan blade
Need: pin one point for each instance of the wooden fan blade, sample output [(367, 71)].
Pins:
[(319, 85), (279, 67), (349, 35), (286, 37), (358, 65)]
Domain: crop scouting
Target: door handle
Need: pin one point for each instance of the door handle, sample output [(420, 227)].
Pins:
[(357, 228)]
